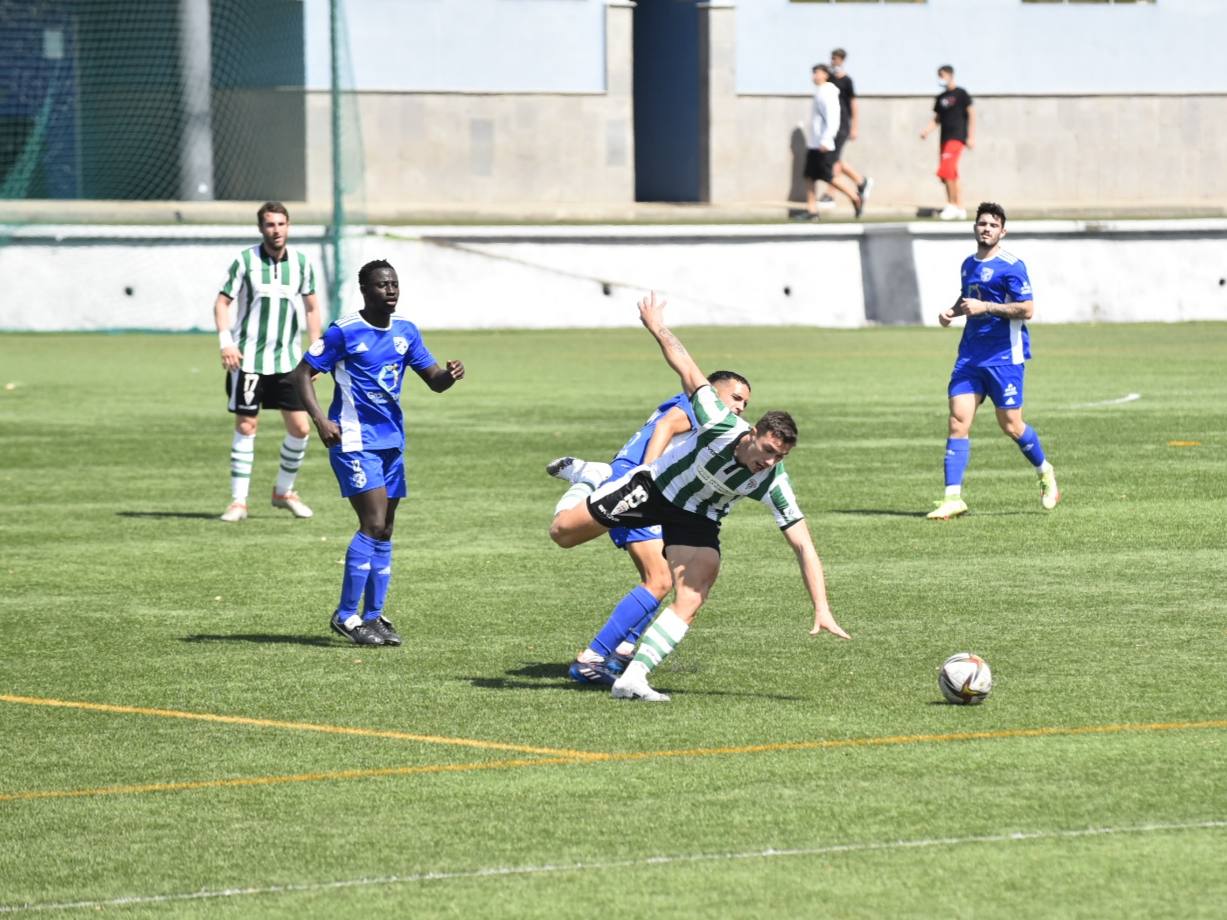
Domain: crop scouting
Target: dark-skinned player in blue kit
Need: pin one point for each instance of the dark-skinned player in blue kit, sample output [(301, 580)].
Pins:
[(367, 353)]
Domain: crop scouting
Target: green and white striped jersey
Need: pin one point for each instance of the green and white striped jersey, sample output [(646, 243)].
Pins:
[(267, 299), (701, 475)]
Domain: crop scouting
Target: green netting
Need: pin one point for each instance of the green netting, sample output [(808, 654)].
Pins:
[(140, 100)]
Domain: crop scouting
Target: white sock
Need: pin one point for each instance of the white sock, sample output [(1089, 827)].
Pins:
[(573, 496), (242, 456), (954, 491), (588, 656), (292, 452), (661, 638), (625, 649)]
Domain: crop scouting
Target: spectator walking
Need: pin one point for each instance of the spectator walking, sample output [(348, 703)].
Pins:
[(849, 118), (954, 113), (821, 157)]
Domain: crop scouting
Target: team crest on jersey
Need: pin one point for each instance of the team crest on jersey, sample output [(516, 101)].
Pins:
[(401, 343), (986, 273), (317, 347)]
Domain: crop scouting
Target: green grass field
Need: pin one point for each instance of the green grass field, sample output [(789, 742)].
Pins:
[(183, 736)]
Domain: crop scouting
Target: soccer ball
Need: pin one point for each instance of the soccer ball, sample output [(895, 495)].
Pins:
[(965, 678)]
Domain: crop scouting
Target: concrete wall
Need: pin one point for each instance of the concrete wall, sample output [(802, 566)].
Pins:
[(998, 47), (541, 277), (1074, 152), (425, 147)]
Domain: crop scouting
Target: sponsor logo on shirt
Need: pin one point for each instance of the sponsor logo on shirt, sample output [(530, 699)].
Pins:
[(1026, 288), (362, 346), (317, 348)]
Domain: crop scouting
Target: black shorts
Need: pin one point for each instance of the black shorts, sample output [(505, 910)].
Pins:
[(634, 501), (820, 164), (249, 392), (840, 139)]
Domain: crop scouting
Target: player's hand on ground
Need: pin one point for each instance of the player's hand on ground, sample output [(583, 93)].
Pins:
[(823, 619), (651, 312), (231, 357), (456, 369), (330, 432)]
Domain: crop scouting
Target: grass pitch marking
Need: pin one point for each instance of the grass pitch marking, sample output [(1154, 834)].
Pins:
[(1127, 398), (831, 850), (297, 726), (560, 758)]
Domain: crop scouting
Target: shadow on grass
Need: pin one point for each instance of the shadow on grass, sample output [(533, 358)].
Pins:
[(191, 515), (879, 512), (552, 675), (267, 639)]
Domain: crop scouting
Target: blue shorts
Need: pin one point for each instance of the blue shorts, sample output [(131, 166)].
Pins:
[(1002, 383), (360, 471), (624, 535)]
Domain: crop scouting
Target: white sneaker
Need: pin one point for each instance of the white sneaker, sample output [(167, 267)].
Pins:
[(950, 506), (951, 212), (563, 468), (237, 511), (1049, 493), (291, 503), (632, 687), (865, 187)]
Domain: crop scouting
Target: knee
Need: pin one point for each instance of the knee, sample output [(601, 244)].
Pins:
[(658, 583), (1013, 427), (561, 535), (376, 529), (246, 425)]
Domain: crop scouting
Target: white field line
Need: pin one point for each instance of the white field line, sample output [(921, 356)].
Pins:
[(1127, 398), (548, 868)]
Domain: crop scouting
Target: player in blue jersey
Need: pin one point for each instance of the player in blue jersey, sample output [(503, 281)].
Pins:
[(997, 301), (367, 353), (612, 647)]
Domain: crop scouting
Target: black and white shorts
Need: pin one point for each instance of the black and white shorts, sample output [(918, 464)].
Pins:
[(634, 501), (248, 392)]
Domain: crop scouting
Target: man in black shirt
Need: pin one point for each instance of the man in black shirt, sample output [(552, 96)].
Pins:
[(954, 113), (849, 116)]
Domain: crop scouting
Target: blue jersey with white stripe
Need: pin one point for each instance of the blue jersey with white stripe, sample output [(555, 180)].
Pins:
[(368, 365), (631, 454), (987, 340)]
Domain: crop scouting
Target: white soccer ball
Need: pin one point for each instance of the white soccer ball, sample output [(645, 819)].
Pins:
[(965, 678)]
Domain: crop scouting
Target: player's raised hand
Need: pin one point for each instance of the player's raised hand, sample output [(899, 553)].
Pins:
[(456, 369), (652, 312), (823, 619)]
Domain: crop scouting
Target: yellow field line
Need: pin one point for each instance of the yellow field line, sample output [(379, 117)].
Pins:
[(275, 780), (898, 740), (786, 746), (297, 726)]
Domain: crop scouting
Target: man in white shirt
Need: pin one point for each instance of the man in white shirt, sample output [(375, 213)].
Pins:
[(821, 156)]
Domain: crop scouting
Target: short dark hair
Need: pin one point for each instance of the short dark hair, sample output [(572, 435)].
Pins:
[(823, 67), (946, 68), (717, 376), (365, 272), (271, 207), (839, 53), (991, 207), (779, 424)]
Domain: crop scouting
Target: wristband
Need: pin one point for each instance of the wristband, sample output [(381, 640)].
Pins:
[(225, 339)]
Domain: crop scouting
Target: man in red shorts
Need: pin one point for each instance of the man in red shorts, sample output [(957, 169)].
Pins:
[(953, 111)]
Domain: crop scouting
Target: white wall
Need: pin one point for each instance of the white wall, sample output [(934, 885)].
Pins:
[(476, 46), (1003, 47), (543, 277)]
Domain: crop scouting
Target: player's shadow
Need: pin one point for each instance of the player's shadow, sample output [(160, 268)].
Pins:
[(194, 515), (266, 639), (878, 512), (545, 675)]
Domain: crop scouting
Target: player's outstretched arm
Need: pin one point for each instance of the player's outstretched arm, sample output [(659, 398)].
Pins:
[(802, 544), (303, 377), (652, 315), (442, 378), (668, 426)]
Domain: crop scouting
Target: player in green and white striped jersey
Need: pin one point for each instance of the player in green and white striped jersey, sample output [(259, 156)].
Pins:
[(688, 490), (256, 313)]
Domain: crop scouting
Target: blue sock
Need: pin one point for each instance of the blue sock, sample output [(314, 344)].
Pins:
[(377, 584), (1029, 443), (633, 612), (357, 571), (958, 452)]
